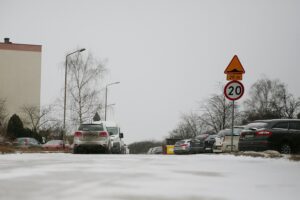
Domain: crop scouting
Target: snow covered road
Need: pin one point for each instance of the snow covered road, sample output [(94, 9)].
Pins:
[(147, 177)]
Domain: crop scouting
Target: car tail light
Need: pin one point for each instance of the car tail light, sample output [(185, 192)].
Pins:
[(185, 145), (78, 134), (103, 134), (263, 133)]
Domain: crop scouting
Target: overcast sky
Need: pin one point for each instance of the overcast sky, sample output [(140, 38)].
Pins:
[(167, 54)]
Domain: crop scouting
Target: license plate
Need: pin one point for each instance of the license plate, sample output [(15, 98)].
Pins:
[(248, 136), (89, 135)]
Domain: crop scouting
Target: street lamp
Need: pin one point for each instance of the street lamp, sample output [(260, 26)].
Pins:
[(106, 96), (65, 95)]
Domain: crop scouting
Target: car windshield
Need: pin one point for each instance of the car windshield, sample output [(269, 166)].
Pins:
[(91, 127), (256, 125), (113, 130), (33, 141)]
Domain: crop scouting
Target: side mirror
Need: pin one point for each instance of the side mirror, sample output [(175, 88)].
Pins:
[(110, 133), (121, 135)]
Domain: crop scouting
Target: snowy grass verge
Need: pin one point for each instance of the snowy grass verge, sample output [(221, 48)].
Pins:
[(7, 149)]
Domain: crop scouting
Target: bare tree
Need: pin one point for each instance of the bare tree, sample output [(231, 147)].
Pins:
[(270, 99), (216, 112), (35, 116), (84, 75), (189, 127)]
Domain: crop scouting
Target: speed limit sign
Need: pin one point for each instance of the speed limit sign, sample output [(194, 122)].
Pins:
[(234, 90)]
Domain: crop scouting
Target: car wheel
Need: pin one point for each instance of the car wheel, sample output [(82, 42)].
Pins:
[(108, 150), (75, 150), (285, 149)]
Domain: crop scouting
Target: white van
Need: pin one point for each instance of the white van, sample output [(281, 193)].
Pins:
[(115, 136), (223, 140)]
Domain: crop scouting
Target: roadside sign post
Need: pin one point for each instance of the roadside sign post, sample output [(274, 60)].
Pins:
[(232, 126), (234, 89)]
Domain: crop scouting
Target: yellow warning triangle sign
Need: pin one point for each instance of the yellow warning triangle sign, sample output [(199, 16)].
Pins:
[(235, 66)]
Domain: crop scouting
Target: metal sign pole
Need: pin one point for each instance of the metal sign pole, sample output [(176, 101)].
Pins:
[(232, 124)]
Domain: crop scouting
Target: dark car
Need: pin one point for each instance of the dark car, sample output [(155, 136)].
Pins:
[(282, 135), (209, 143), (189, 146), (199, 143)]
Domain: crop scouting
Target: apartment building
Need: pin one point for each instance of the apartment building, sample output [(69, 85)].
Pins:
[(20, 75)]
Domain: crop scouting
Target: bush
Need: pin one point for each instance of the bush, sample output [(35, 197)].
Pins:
[(15, 127)]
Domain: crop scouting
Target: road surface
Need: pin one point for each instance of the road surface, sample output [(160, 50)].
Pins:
[(146, 177)]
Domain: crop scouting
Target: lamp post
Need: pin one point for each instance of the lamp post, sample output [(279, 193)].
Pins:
[(106, 96), (65, 92)]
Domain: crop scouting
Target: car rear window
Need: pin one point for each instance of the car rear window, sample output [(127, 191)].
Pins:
[(91, 127), (256, 125), (113, 130), (295, 125), (281, 125)]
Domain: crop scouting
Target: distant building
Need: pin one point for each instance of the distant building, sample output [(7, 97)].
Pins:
[(20, 75)]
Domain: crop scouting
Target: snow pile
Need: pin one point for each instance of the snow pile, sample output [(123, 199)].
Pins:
[(146, 177), (263, 154)]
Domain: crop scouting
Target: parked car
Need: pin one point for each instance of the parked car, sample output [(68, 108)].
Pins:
[(115, 136), (26, 142), (189, 146), (223, 140), (150, 150), (55, 145), (198, 143), (92, 137), (183, 147), (209, 143), (282, 135), (155, 150)]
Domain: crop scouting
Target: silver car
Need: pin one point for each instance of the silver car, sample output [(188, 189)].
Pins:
[(115, 136), (92, 138)]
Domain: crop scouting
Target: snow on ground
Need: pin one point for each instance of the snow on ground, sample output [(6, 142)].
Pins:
[(147, 177)]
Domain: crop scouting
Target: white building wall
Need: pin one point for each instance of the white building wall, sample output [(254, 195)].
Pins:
[(20, 75)]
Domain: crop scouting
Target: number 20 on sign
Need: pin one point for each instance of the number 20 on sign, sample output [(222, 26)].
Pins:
[(234, 90)]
